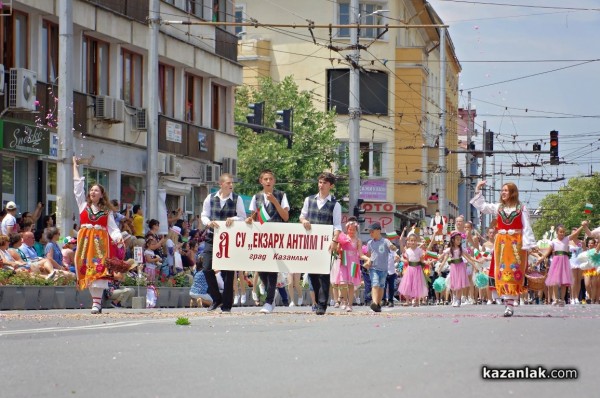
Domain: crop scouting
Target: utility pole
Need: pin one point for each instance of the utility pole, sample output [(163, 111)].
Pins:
[(152, 135), (354, 110), (442, 152), (468, 162), (483, 172), (65, 202)]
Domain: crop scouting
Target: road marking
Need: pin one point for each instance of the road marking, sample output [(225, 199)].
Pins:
[(85, 327)]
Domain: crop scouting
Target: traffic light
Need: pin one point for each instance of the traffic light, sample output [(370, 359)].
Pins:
[(257, 116), (358, 211), (489, 143), (554, 147), (286, 123)]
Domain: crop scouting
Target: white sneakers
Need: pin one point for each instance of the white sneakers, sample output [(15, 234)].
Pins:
[(300, 301), (243, 298), (96, 309), (266, 309), (236, 300), (292, 304), (456, 302)]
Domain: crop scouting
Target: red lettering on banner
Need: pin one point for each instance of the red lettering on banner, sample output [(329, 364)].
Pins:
[(223, 251)]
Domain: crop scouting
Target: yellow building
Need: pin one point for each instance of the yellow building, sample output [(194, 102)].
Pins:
[(399, 91)]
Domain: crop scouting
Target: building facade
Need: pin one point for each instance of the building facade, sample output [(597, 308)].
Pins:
[(399, 92), (197, 74)]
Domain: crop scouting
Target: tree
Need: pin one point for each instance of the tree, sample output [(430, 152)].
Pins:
[(566, 207), (313, 151)]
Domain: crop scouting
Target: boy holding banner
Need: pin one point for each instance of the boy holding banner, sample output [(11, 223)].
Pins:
[(223, 205), (268, 205), (322, 208)]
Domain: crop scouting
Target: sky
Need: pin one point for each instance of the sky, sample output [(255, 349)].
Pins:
[(532, 66)]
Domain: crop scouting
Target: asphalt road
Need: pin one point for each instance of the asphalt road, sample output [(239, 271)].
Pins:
[(401, 352)]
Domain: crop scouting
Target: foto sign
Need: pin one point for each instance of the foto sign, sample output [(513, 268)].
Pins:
[(272, 247)]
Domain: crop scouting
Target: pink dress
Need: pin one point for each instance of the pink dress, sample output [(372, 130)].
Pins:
[(458, 270), (413, 284), (341, 272), (560, 269)]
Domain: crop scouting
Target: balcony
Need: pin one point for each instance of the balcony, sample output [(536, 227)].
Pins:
[(226, 44)]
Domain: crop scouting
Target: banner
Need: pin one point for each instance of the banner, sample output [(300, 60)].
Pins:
[(275, 247)]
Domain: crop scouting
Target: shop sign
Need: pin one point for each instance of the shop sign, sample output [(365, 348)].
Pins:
[(26, 138)]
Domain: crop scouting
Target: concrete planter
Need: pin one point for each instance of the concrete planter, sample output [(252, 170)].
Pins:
[(65, 297), (46, 297)]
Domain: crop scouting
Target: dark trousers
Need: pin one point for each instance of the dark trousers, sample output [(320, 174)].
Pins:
[(269, 279), (390, 284), (211, 280), (320, 284), (284, 296), (367, 279)]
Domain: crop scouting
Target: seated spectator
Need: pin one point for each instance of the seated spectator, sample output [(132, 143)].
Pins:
[(8, 262), (68, 252), (39, 243), (119, 295), (52, 250), (34, 264), (199, 289)]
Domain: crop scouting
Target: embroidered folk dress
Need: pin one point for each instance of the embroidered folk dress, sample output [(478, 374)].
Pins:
[(514, 237), (95, 241)]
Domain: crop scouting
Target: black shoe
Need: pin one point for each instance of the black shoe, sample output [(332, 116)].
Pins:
[(320, 311), (215, 305), (384, 302), (374, 307), (378, 309), (223, 309), (390, 304)]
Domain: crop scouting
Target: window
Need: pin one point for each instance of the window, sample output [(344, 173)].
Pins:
[(166, 89), (218, 107), (199, 8), (51, 189), (218, 11), (131, 190), (95, 66), (95, 176), (366, 11), (132, 79), (14, 40), (49, 52), (193, 99), (370, 157), (239, 17), (373, 91)]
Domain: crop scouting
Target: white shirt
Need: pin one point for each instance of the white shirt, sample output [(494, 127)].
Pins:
[(79, 190), (8, 221), (284, 202), (206, 210), (480, 204), (337, 210)]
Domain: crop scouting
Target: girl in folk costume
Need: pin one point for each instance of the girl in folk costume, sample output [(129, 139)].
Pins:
[(454, 254), (575, 250), (559, 274), (97, 238), (590, 274), (413, 285), (513, 240), (345, 273)]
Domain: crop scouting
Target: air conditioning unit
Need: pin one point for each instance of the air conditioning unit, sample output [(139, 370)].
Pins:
[(105, 108), (1, 79), (120, 111), (162, 163), (212, 172), (170, 164), (230, 166), (141, 121), (21, 89)]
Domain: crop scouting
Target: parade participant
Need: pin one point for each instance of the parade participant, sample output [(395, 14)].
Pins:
[(559, 274), (346, 270), (575, 249), (454, 254), (413, 285), (97, 238), (513, 239), (223, 205), (276, 205), (322, 208)]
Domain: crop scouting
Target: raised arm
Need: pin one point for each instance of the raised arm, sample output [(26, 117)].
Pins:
[(479, 202)]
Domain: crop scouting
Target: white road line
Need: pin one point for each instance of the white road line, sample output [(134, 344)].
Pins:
[(85, 327)]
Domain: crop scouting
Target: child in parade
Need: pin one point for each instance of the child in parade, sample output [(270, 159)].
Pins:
[(559, 274), (346, 270), (413, 285), (376, 261), (454, 254)]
